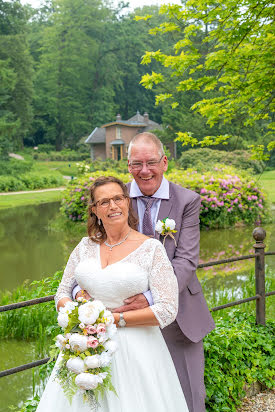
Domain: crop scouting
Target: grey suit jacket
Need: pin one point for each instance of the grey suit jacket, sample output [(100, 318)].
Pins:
[(183, 205)]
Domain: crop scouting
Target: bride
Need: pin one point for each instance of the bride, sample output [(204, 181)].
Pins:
[(113, 263)]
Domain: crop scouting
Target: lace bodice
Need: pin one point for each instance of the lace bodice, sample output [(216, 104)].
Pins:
[(147, 267)]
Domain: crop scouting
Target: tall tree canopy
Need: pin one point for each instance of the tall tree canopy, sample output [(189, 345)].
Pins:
[(236, 61)]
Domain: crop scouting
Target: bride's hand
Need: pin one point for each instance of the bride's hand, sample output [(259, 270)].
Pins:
[(83, 294), (133, 303)]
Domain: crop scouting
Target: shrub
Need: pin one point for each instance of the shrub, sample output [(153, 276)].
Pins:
[(46, 148), (204, 159), (228, 196), (14, 167), (64, 155), (30, 181)]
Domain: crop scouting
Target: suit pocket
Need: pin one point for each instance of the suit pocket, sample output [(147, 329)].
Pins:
[(194, 286)]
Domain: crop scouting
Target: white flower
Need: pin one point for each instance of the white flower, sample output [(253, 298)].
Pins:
[(170, 224), (159, 226), (76, 365), (68, 307), (63, 320), (78, 342), (109, 318), (111, 330), (87, 381), (82, 326), (105, 359), (103, 337), (110, 346), (67, 346), (99, 305), (103, 375), (88, 313), (61, 340), (92, 362)]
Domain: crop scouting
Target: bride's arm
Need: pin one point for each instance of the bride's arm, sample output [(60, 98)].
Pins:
[(164, 287), (64, 291)]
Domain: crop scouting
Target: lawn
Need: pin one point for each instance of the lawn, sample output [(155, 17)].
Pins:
[(64, 168), (34, 198), (267, 181)]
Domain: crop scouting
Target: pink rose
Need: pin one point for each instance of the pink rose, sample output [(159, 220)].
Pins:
[(92, 342), (91, 329), (101, 328)]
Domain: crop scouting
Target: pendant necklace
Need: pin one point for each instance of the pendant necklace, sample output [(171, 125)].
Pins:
[(116, 244)]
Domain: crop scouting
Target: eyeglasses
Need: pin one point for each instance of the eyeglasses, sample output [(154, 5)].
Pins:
[(150, 165), (118, 200)]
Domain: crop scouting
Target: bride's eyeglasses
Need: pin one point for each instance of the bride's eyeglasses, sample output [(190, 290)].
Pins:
[(118, 200)]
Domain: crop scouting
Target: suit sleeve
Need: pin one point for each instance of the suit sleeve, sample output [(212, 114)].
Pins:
[(186, 256)]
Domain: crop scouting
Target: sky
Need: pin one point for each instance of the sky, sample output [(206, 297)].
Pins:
[(133, 3)]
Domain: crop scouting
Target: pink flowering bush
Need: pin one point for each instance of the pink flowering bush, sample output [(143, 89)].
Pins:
[(229, 196), (75, 201)]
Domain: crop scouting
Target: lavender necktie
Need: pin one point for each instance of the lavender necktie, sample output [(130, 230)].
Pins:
[(147, 227)]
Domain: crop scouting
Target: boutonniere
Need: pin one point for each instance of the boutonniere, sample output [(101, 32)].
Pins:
[(166, 227)]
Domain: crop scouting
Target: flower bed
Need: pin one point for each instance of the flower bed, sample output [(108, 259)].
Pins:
[(228, 196)]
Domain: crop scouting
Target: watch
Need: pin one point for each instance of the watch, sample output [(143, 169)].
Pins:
[(121, 323)]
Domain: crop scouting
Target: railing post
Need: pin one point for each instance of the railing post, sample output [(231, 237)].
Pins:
[(259, 235)]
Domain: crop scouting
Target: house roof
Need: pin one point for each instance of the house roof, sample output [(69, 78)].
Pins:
[(98, 135), (117, 142)]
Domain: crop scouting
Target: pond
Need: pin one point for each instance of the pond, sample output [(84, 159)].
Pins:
[(29, 250)]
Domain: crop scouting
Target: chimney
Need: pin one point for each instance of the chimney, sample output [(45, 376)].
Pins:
[(146, 117), (118, 118)]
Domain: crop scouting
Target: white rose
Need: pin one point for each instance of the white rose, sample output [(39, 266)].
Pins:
[(109, 317), (86, 381), (76, 365), (68, 307), (88, 313), (99, 305), (170, 224), (111, 330), (110, 346), (105, 359), (92, 362), (63, 320), (61, 340), (159, 226), (78, 342)]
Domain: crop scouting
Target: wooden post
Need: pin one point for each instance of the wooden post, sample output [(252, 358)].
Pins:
[(259, 235)]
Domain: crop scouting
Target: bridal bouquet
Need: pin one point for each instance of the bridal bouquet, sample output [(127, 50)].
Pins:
[(87, 348)]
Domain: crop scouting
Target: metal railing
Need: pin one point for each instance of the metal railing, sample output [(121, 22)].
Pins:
[(259, 235)]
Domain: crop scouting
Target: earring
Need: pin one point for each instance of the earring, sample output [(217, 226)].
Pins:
[(99, 222)]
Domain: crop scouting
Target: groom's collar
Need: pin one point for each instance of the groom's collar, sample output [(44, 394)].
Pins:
[(161, 193)]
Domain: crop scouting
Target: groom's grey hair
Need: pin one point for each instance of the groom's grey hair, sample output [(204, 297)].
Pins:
[(148, 138)]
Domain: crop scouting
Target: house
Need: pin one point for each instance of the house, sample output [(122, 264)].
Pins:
[(111, 140)]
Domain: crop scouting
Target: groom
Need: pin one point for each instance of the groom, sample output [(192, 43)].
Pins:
[(154, 198)]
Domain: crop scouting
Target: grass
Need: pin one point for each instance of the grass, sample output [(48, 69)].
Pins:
[(267, 181), (63, 168), (34, 198)]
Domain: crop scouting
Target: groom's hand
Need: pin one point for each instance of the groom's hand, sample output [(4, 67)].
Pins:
[(135, 302), (83, 294)]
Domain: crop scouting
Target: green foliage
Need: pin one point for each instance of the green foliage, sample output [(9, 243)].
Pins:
[(61, 156), (223, 50), (206, 159), (237, 352), (30, 181), (15, 167)]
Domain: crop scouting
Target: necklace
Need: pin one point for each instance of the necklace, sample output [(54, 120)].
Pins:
[(117, 244)]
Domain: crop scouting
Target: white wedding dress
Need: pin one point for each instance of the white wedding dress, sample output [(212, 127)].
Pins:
[(143, 372)]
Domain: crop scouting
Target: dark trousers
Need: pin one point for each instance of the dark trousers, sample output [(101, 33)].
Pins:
[(188, 358)]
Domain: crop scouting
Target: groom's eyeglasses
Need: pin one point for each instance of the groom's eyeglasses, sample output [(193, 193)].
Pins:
[(118, 200), (150, 165)]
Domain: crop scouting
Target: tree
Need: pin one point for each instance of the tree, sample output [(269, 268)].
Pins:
[(236, 63)]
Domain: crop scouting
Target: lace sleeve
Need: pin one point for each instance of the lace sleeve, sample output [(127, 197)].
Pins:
[(164, 287), (68, 280)]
